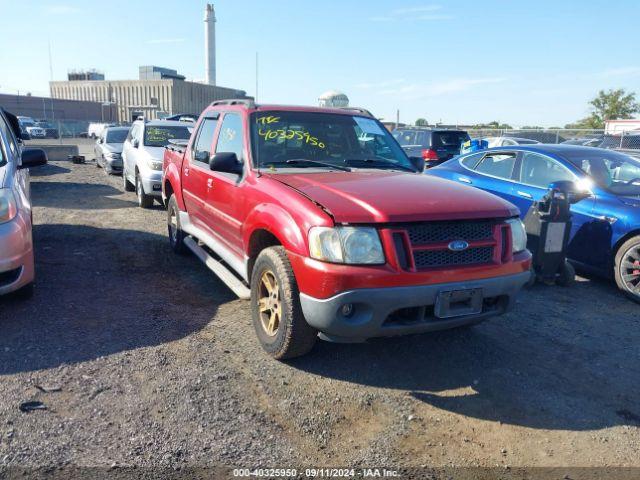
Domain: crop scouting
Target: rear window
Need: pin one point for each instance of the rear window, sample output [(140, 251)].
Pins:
[(449, 139), (406, 137)]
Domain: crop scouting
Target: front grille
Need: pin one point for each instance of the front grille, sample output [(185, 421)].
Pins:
[(7, 278), (442, 258), (436, 232)]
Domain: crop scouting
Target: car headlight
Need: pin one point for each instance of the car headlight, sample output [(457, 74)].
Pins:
[(351, 245), (518, 235), (154, 164), (8, 206), (112, 156)]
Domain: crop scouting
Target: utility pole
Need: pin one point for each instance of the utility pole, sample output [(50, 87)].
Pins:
[(398, 118)]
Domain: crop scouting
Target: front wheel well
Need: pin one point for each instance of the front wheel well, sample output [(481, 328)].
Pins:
[(619, 243), (260, 239)]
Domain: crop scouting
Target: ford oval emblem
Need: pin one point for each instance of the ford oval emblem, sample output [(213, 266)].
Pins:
[(458, 246)]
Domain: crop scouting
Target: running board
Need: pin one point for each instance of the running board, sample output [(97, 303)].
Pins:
[(226, 275)]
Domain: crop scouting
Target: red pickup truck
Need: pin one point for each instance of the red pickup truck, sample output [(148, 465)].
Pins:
[(320, 218)]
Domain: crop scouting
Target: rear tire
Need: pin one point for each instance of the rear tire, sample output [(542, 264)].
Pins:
[(275, 307), (144, 200), (126, 184), (176, 235), (627, 268)]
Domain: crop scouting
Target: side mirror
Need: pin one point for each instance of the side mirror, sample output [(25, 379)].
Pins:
[(25, 135), (226, 162), (33, 157), (572, 191), (99, 141), (418, 163)]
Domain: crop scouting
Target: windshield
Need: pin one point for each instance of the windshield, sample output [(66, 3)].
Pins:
[(117, 136), (322, 140), (613, 171), (159, 136)]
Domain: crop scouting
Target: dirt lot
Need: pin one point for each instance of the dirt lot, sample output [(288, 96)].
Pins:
[(157, 364)]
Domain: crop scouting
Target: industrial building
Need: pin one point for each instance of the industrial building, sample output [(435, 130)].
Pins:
[(53, 109), (158, 92)]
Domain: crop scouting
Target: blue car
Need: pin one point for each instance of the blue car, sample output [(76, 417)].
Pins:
[(605, 236)]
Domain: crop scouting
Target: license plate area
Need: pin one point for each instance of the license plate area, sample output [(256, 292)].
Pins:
[(458, 303)]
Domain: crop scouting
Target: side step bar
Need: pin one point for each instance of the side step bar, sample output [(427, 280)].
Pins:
[(233, 282)]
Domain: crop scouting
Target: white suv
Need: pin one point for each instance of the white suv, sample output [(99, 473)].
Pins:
[(143, 154)]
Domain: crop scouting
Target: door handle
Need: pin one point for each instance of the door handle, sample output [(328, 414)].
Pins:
[(186, 171), (465, 180), (525, 195), (210, 183)]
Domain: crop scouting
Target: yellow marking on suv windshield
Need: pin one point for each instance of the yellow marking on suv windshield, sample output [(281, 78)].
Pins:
[(282, 134)]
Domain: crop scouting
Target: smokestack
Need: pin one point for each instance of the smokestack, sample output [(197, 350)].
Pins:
[(210, 44)]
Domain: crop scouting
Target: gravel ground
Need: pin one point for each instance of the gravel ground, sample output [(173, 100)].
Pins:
[(143, 358)]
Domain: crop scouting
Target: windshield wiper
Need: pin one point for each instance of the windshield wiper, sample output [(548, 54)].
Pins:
[(379, 164), (304, 161)]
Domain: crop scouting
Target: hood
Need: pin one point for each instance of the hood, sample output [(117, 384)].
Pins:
[(387, 197), (156, 153), (113, 147)]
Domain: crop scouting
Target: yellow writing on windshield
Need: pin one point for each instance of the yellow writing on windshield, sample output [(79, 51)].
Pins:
[(282, 134), (268, 120)]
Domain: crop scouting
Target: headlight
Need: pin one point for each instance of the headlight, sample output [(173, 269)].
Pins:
[(8, 206), (154, 164), (351, 245), (518, 235), (112, 156)]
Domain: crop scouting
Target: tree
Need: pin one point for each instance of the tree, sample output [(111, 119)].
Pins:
[(493, 125), (612, 105), (422, 122)]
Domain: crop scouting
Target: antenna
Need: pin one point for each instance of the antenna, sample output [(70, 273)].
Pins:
[(256, 77)]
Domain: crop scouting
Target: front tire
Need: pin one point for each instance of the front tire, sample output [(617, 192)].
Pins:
[(627, 268), (144, 200), (275, 307), (176, 235)]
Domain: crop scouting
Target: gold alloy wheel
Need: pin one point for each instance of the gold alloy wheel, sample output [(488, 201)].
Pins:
[(269, 303)]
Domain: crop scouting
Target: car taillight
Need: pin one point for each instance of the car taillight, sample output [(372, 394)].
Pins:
[(429, 154)]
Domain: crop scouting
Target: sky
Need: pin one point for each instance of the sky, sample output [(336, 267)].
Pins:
[(464, 61)]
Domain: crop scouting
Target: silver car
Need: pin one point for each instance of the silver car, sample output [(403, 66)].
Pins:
[(108, 149), (143, 156), (16, 252)]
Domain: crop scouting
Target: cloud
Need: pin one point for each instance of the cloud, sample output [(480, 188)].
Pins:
[(621, 72), (382, 84), (421, 9), (416, 91), (158, 41), (418, 13), (62, 9)]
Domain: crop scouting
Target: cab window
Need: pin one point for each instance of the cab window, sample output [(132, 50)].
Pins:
[(497, 165), (539, 171), (230, 138)]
